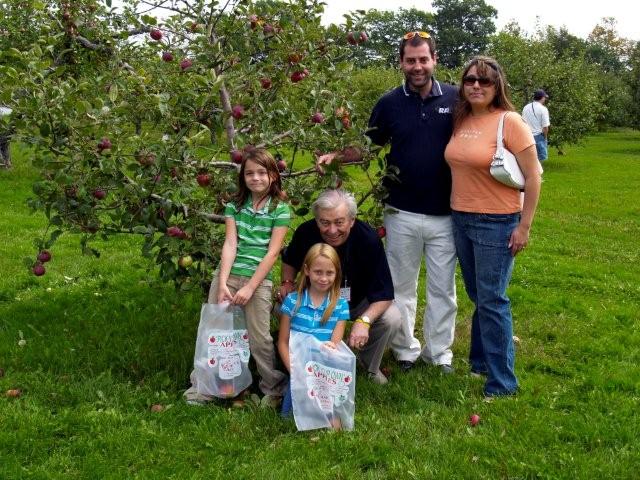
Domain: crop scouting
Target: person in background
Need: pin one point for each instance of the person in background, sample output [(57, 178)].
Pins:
[(490, 227), (537, 117)]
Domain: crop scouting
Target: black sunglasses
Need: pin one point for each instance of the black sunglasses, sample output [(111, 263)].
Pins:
[(470, 81)]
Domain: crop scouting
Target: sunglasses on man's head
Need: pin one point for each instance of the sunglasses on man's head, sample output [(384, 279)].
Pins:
[(470, 81), (410, 35)]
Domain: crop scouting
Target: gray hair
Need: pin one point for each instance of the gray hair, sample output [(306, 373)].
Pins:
[(333, 198)]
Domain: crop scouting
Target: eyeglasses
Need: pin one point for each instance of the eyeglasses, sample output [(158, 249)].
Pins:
[(470, 81), (410, 35)]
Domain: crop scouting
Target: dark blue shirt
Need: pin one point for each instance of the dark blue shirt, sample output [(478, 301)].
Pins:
[(418, 130), (363, 261)]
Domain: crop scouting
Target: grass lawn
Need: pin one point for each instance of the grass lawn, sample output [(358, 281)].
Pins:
[(104, 342)]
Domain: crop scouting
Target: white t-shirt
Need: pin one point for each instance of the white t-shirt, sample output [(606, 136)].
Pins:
[(537, 117)]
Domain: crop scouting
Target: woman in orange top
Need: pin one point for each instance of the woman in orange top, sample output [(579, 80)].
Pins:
[(490, 226)]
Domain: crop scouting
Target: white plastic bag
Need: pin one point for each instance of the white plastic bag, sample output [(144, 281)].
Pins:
[(221, 360), (323, 383)]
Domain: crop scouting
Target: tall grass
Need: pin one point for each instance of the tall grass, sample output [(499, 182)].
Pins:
[(104, 341)]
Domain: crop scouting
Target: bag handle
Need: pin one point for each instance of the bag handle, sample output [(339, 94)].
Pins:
[(499, 143)]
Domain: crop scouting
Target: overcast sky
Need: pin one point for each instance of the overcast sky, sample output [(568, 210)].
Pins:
[(579, 17)]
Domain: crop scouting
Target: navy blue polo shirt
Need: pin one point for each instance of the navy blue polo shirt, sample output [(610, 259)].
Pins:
[(418, 130), (362, 258)]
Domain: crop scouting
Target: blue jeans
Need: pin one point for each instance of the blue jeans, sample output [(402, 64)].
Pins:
[(486, 262), (541, 146)]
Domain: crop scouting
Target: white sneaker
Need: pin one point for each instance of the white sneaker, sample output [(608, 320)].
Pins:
[(377, 378)]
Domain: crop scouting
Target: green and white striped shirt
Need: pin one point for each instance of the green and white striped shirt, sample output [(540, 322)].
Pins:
[(254, 229)]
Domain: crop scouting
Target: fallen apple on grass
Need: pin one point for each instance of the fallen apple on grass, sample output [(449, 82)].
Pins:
[(157, 408), (14, 393), (474, 419)]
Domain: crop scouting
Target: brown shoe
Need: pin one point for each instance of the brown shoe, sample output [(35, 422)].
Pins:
[(271, 401)]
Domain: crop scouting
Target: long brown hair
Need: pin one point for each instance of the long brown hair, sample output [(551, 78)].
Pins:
[(263, 158), (486, 67), (326, 251)]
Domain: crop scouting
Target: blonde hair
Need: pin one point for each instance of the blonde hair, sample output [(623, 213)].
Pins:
[(328, 252)]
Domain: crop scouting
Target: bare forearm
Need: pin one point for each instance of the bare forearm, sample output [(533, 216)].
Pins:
[(338, 332)]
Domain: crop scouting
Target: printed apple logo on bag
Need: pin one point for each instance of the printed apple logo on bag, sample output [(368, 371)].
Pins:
[(228, 344), (326, 385)]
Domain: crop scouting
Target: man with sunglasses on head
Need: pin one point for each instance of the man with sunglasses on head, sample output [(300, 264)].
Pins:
[(416, 120)]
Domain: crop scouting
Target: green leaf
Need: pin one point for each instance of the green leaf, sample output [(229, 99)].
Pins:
[(113, 93), (148, 19), (53, 237)]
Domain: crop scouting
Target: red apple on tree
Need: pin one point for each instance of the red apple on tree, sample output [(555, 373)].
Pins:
[(351, 38), (167, 57), (265, 83), (146, 159), (317, 117), (176, 232), (350, 154), (104, 144), (363, 37), (267, 29), (44, 256), (185, 63), (99, 194), (203, 179), (38, 270), (155, 34), (282, 165), (297, 76), (237, 112), (294, 58), (236, 156)]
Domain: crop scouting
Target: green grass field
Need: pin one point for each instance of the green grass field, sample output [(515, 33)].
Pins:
[(104, 341)]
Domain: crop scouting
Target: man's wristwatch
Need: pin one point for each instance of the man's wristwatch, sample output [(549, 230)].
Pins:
[(365, 320)]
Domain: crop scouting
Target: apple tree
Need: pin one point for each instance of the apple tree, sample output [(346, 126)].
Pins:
[(136, 116)]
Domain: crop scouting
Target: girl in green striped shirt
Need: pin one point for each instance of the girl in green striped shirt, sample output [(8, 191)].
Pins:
[(256, 223)]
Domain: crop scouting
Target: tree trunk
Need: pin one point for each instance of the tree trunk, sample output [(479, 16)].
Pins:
[(5, 151)]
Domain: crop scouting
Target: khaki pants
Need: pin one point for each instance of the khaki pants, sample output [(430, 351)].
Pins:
[(382, 331), (258, 316)]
